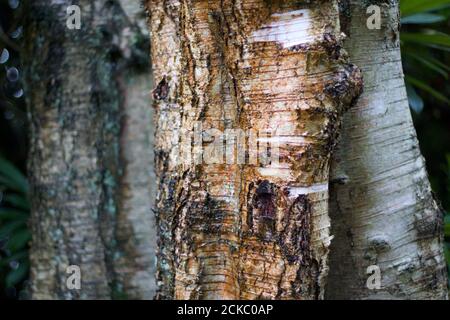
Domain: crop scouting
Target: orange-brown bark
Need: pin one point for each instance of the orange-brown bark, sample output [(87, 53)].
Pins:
[(275, 71)]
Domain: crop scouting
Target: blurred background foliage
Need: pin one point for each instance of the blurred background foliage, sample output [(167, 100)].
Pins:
[(14, 206), (425, 45)]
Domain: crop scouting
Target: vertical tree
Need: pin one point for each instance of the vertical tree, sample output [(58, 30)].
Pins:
[(382, 209), (248, 230), (89, 163)]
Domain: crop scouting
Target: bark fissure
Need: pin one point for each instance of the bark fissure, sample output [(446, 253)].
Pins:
[(250, 230)]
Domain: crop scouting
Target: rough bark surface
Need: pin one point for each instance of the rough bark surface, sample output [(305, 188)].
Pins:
[(136, 229), (231, 229), (382, 208), (88, 207)]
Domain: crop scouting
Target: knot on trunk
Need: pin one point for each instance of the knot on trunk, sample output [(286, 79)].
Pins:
[(346, 86), (162, 90)]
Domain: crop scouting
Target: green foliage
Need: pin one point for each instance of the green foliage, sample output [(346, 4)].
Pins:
[(422, 85), (425, 56), (412, 7), (421, 46), (423, 18), (14, 233)]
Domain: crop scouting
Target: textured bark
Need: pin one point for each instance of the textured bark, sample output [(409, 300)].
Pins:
[(248, 230), (88, 206), (382, 208), (136, 230)]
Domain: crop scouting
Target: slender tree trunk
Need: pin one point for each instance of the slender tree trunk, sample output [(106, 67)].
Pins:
[(90, 196), (272, 73), (382, 208), (136, 229)]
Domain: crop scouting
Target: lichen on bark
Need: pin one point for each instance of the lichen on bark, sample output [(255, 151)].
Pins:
[(78, 93)]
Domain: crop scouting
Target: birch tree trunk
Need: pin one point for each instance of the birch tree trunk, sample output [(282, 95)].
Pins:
[(382, 208), (90, 158), (271, 75)]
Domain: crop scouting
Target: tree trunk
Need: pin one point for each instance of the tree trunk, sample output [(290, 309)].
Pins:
[(382, 208), (89, 126), (271, 75)]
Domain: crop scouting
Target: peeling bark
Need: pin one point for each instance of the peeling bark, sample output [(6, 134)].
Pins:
[(276, 71), (382, 209), (90, 197)]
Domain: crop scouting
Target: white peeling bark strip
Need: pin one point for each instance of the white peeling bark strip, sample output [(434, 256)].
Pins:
[(287, 28)]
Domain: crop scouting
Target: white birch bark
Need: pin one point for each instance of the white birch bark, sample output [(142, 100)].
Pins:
[(382, 208)]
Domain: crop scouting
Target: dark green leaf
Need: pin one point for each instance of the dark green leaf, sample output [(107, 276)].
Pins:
[(423, 86), (13, 214), (410, 7), (8, 228), (20, 256), (447, 225), (16, 200), (12, 177), (435, 40), (19, 240), (16, 276), (431, 64), (422, 18)]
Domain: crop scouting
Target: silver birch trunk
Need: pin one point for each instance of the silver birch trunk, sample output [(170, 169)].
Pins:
[(382, 208)]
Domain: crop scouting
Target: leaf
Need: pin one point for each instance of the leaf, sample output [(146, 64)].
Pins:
[(447, 225), (19, 240), (447, 255), (3, 242), (16, 276), (435, 40), (18, 201), (20, 256), (422, 18), (7, 229), (431, 64), (415, 101), (13, 214), (12, 177), (423, 86), (439, 63), (410, 7)]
